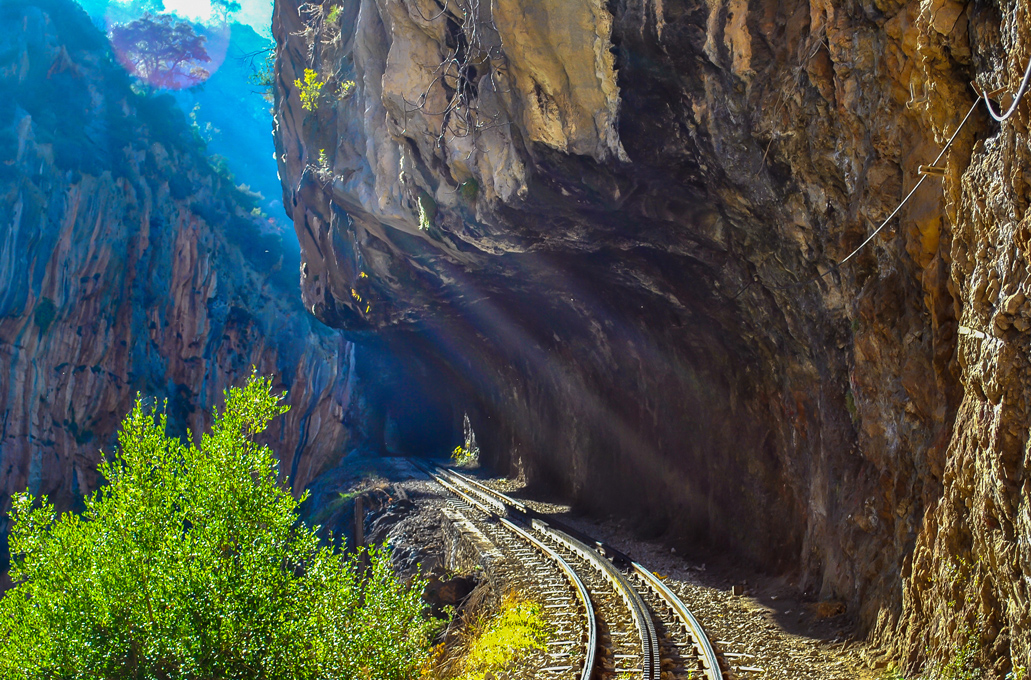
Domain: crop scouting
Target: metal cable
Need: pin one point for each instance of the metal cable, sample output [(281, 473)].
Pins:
[(991, 111), (878, 230), (913, 190), (1016, 98)]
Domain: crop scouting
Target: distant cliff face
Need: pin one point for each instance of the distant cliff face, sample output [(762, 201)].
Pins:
[(240, 120), (128, 266), (594, 216)]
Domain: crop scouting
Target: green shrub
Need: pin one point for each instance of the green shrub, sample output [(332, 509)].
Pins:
[(469, 189), (346, 89), (264, 76), (462, 456), (310, 89), (892, 672), (322, 168), (962, 663), (191, 563)]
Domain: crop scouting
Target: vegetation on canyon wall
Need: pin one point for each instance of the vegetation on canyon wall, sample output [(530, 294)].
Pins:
[(191, 563), (161, 51), (310, 89)]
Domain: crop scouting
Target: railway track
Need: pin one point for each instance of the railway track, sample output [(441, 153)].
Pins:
[(539, 570), (636, 627)]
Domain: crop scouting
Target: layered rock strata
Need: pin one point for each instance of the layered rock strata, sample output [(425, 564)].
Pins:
[(615, 225), (128, 266)]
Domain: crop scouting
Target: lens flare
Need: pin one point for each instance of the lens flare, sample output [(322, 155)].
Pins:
[(167, 52)]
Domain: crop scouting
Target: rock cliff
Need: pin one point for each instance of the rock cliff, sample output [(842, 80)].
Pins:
[(603, 221), (128, 265)]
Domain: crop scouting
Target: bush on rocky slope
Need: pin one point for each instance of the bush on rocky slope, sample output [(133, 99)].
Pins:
[(191, 563)]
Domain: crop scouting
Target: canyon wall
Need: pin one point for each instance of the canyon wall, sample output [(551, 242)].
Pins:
[(615, 227), (128, 265)]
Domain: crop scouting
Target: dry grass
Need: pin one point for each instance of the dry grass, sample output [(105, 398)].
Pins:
[(488, 639)]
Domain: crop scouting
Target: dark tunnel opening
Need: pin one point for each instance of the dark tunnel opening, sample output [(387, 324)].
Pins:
[(413, 407)]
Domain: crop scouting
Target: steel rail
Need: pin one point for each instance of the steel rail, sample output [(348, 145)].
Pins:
[(701, 641), (702, 645), (591, 644), (638, 610), (475, 502), (581, 591), (490, 506), (483, 488), (650, 659)]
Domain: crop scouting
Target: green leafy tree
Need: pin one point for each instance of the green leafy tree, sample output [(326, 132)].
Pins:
[(191, 563)]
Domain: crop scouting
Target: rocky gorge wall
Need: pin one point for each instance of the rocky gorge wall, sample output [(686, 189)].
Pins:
[(128, 265), (602, 222)]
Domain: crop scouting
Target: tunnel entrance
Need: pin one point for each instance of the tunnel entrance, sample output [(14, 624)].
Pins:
[(413, 407)]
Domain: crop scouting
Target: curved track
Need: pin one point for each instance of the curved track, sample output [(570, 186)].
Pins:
[(638, 627), (540, 570)]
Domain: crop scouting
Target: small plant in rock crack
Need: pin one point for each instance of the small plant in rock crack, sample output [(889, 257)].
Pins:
[(466, 454), (322, 169), (892, 672), (468, 190), (310, 89), (360, 285), (962, 663), (427, 210), (346, 89), (462, 456)]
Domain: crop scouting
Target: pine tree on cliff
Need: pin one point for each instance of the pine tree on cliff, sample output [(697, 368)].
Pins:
[(161, 51)]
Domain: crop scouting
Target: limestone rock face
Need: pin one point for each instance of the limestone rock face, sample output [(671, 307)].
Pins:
[(120, 273), (606, 220)]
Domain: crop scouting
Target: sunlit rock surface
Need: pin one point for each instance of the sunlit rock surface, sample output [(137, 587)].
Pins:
[(128, 266), (594, 216)]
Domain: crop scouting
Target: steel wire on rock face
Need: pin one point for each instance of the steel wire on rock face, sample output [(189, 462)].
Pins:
[(910, 194), (1002, 118), (983, 96), (887, 220)]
